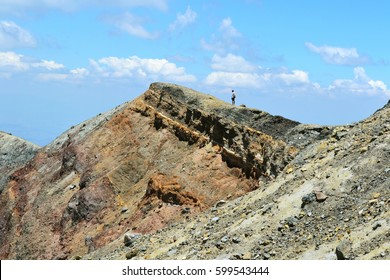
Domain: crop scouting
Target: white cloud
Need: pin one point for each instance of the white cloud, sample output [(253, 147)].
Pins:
[(258, 79), (13, 36), (337, 55), (132, 25), (296, 77), (182, 20), (229, 79), (27, 6), (12, 62), (135, 67), (79, 72), (231, 63), (226, 40), (17, 62), (379, 86), (360, 74), (49, 65), (286, 81), (228, 30), (361, 84)]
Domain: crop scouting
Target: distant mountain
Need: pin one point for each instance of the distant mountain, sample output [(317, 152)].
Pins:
[(177, 174)]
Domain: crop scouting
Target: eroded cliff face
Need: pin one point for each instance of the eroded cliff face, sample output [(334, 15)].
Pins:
[(163, 158), (205, 119)]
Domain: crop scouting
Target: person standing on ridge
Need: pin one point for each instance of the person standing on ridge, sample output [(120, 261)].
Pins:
[(233, 97)]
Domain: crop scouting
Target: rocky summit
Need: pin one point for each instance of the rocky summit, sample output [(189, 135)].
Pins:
[(177, 174)]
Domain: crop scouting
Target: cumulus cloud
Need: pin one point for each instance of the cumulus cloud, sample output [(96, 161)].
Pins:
[(379, 86), (182, 20), (361, 84), (265, 79), (231, 63), (234, 71), (18, 62), (12, 63), (79, 72), (338, 55), (49, 65), (135, 67), (283, 80), (295, 77), (230, 79), (13, 36)]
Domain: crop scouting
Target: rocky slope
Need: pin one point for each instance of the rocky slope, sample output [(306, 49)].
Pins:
[(14, 153), (176, 174)]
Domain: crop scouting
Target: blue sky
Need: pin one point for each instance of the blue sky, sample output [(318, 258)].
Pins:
[(62, 62)]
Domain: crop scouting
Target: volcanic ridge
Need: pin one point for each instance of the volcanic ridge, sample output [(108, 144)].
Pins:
[(178, 174)]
